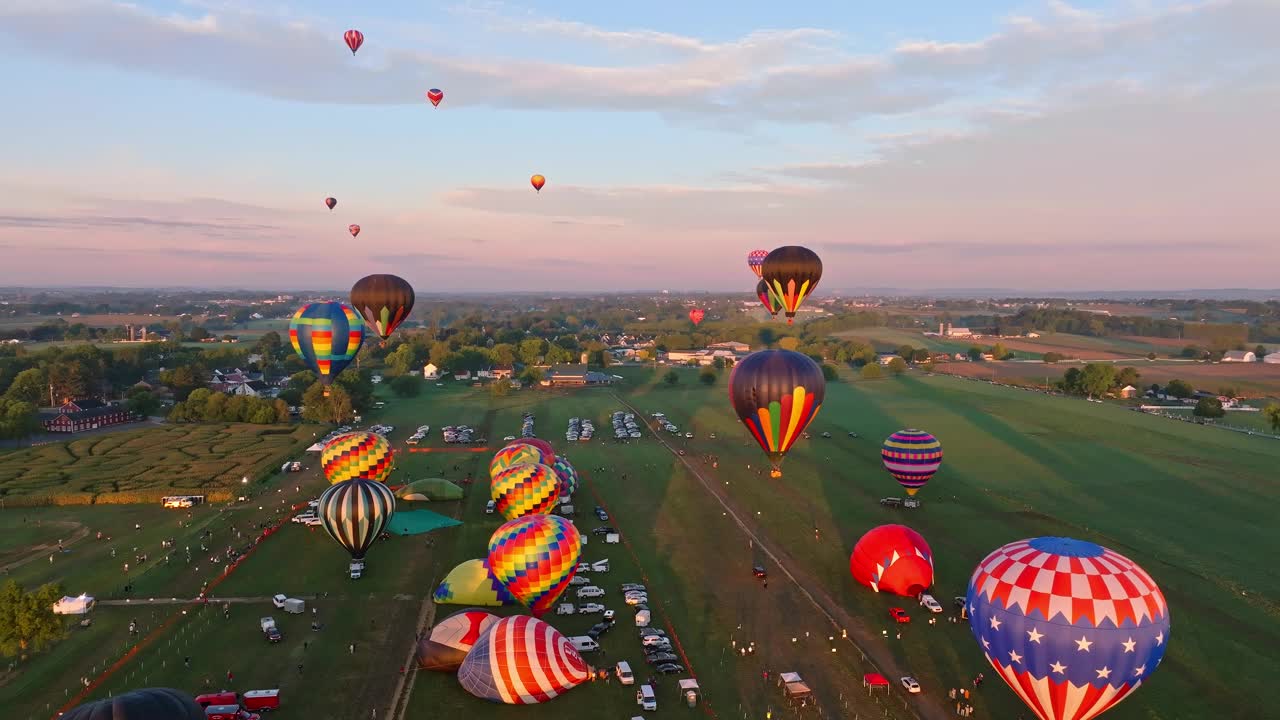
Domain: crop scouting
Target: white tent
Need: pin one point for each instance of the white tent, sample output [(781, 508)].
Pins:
[(73, 605)]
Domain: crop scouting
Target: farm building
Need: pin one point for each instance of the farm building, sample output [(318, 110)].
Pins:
[(79, 415), (1127, 392), (573, 375), (1239, 356), (430, 372)]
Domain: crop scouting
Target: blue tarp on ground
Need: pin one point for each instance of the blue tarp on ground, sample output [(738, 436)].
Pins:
[(416, 522)]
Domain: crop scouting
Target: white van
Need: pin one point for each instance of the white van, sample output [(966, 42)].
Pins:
[(646, 699), (623, 671), (584, 643), (643, 618), (590, 591)]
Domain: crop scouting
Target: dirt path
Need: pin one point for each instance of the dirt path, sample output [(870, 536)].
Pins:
[(38, 551), (859, 635)]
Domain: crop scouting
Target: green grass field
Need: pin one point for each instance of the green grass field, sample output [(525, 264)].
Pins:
[(1188, 503)]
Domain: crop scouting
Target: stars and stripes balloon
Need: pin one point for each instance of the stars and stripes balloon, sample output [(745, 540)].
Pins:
[(793, 273), (535, 557), (327, 336), (354, 513), (530, 489), (363, 455), (755, 261), (776, 393), (911, 457), (354, 39), (517, 453), (1071, 626), (894, 559), (521, 661)]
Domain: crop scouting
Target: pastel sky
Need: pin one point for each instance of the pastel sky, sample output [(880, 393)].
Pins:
[(1040, 145)]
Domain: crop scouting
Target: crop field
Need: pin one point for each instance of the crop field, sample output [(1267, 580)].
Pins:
[(1179, 499), (145, 465), (1248, 379)]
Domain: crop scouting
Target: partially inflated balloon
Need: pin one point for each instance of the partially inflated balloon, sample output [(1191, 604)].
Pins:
[(548, 452), (363, 455), (522, 661), (755, 261), (520, 490), (516, 454), (1071, 626), (696, 315), (537, 181), (792, 273), (776, 393), (384, 301), (143, 704), (326, 336), (767, 298), (894, 559), (535, 557), (354, 39), (449, 641), (567, 475), (911, 457), (354, 230), (331, 203), (355, 512), (435, 95), (471, 582)]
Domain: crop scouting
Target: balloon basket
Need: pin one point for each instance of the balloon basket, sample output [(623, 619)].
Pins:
[(775, 473)]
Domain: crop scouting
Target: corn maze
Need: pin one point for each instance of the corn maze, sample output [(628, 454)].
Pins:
[(146, 465)]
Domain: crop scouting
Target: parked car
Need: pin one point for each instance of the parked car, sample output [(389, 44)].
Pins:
[(636, 599), (609, 615), (580, 580), (899, 615), (930, 603), (628, 587), (603, 530), (591, 591), (759, 572), (655, 641), (660, 657), (669, 669), (653, 632), (601, 514), (599, 629), (278, 600), (910, 685), (489, 507), (590, 608)]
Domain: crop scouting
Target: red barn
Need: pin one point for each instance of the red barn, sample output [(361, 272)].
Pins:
[(78, 415)]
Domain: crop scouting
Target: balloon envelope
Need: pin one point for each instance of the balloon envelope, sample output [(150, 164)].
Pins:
[(472, 583), (327, 335), (755, 261), (384, 301), (1071, 626), (354, 39), (776, 394), (331, 203), (696, 315), (143, 704), (447, 645), (535, 557), (516, 453), (353, 455), (353, 229), (354, 513), (537, 181), (893, 558), (530, 489), (435, 95), (792, 272), (521, 661), (548, 452), (567, 475), (912, 457), (767, 298)]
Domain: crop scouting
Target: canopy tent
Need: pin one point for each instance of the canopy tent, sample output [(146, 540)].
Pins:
[(417, 522), (797, 693), (788, 677), (429, 489), (875, 681), (73, 605)]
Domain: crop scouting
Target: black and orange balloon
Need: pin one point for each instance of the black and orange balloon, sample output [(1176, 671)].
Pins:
[(143, 704), (776, 394), (537, 181), (792, 273), (384, 301)]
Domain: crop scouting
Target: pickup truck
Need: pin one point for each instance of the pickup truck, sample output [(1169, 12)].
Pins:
[(270, 630)]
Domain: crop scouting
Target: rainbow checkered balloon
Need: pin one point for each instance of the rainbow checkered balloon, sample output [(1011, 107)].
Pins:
[(517, 453), (363, 455), (531, 489), (535, 557)]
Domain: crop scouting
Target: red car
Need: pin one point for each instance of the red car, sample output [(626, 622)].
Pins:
[(900, 615)]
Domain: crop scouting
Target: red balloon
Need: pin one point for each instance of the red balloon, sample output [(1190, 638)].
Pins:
[(354, 230), (435, 96), (696, 315), (354, 39), (893, 558), (330, 202)]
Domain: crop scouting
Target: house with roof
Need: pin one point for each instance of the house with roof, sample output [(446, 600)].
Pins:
[(430, 372), (87, 414), (573, 376), (1127, 392), (1245, 356), (498, 372)]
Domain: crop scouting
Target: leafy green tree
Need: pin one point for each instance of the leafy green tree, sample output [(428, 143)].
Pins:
[(718, 363), (185, 379), (1179, 388), (359, 387), (920, 355), (501, 388), (27, 621), (999, 351), (18, 419), (671, 378), (789, 342), (198, 334), (532, 375), (1227, 391), (1193, 351), (407, 386), (1097, 378), (975, 353), (29, 386), (1260, 351), (906, 351), (1272, 413), (871, 371), (897, 366), (503, 354), (1052, 357), (557, 355), (1209, 407), (1128, 376), (531, 350), (143, 402), (269, 345), (767, 336), (403, 359), (334, 409), (829, 373), (707, 377)]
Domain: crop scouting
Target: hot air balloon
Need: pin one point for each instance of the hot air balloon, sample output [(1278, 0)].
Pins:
[(516, 454), (535, 557), (696, 315), (435, 96), (447, 645), (522, 661), (331, 203), (354, 39), (537, 181), (363, 455), (1071, 626), (567, 475), (327, 335), (792, 273), (892, 558), (755, 260), (472, 583), (354, 512), (776, 393), (767, 298), (384, 301), (548, 452), (912, 457), (531, 489), (143, 704), (354, 230)]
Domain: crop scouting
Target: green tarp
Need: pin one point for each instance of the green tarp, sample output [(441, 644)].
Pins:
[(429, 489), (416, 522)]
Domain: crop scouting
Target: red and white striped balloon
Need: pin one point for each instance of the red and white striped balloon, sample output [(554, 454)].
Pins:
[(522, 661)]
